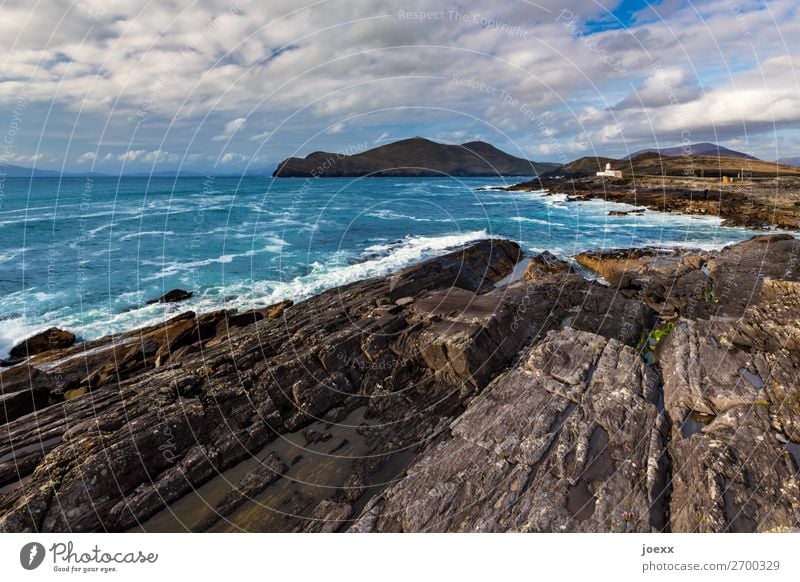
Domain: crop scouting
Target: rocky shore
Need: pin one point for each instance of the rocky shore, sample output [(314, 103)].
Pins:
[(758, 203), (478, 391)]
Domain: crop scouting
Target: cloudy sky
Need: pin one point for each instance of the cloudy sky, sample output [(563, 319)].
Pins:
[(110, 85)]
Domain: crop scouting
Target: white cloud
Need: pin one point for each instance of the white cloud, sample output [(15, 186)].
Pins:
[(264, 135), (131, 155), (192, 78), (335, 128), (21, 158), (148, 157), (231, 157), (666, 86), (230, 129), (87, 157), (160, 156)]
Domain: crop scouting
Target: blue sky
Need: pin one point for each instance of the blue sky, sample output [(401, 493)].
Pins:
[(624, 15), (118, 85)]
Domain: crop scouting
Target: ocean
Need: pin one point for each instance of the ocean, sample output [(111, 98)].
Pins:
[(85, 254)]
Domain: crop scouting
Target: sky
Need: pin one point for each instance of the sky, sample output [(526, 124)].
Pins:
[(219, 86)]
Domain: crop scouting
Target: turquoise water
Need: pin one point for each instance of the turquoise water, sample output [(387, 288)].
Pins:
[(86, 254)]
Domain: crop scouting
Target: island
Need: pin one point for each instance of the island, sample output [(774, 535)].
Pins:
[(414, 157)]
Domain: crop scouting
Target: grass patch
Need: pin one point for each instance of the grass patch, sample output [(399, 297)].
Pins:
[(648, 346), (709, 295)]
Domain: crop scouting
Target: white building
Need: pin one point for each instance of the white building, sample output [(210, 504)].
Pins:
[(610, 173)]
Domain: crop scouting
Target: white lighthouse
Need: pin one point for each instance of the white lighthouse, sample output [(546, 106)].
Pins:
[(609, 173)]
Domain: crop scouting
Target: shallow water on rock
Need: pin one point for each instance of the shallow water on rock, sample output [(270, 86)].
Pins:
[(794, 450), (316, 470), (694, 423)]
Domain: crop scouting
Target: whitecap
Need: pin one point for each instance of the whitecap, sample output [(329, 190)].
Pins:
[(15, 330), (392, 215), (535, 221), (168, 269), (161, 233)]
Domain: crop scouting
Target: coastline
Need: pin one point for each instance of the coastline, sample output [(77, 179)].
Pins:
[(390, 268), (257, 257), (389, 386), (761, 204)]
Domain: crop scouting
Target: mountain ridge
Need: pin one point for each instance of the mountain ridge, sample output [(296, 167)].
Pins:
[(657, 164), (789, 160), (695, 149), (413, 157)]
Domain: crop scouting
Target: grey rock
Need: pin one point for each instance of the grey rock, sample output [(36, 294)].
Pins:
[(569, 440), (153, 414), (433, 400), (329, 516), (734, 476)]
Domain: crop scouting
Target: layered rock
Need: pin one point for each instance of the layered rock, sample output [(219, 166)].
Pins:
[(544, 264), (569, 440), (695, 284), (178, 403), (470, 392), (731, 388)]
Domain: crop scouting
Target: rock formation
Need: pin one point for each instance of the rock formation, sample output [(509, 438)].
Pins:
[(51, 339), (451, 396), (760, 203), (172, 296)]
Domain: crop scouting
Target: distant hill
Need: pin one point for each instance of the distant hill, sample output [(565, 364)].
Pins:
[(167, 174), (585, 166), (12, 171), (790, 161), (656, 164), (695, 149), (708, 166), (414, 157)]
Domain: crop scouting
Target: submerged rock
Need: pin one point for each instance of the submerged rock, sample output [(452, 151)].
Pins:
[(50, 339), (172, 296)]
